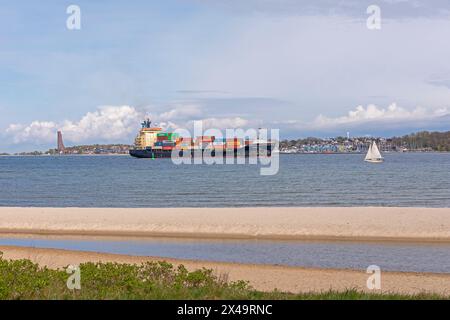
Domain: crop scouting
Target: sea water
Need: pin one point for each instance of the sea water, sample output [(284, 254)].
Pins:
[(411, 257), (403, 180)]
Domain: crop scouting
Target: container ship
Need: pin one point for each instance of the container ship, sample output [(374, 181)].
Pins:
[(152, 142)]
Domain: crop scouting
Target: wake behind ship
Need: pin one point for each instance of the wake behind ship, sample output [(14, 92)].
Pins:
[(152, 142)]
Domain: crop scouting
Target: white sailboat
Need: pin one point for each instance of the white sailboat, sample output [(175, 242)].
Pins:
[(373, 154)]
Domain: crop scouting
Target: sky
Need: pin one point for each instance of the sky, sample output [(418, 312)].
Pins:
[(308, 68)]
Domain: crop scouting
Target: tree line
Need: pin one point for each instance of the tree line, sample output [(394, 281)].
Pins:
[(424, 140), (437, 141)]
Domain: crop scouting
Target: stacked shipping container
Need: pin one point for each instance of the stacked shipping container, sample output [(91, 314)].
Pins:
[(169, 141)]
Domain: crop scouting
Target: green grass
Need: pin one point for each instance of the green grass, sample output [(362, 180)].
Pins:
[(25, 280)]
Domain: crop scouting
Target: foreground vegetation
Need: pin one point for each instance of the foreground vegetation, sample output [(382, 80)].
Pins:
[(23, 279)]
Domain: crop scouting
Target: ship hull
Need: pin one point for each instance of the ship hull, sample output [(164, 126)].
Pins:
[(374, 160), (239, 152)]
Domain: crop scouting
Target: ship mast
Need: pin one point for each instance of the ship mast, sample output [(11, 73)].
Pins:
[(146, 124)]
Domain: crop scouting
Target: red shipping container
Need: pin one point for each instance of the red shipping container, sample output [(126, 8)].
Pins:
[(206, 138)]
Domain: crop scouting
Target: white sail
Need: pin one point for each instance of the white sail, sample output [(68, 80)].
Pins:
[(369, 153), (373, 154), (376, 152)]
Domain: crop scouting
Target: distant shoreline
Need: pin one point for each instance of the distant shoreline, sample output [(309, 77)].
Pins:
[(282, 153), (65, 155)]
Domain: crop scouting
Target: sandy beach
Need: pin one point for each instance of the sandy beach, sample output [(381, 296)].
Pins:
[(261, 277), (349, 224), (355, 224)]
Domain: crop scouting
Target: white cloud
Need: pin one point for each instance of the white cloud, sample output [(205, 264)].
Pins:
[(225, 123), (181, 111), (108, 123), (373, 113), (372, 119), (210, 123), (181, 115), (36, 131), (115, 124), (120, 123)]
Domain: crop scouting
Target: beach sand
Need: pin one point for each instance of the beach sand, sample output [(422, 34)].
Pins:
[(349, 224), (261, 277), (357, 224)]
